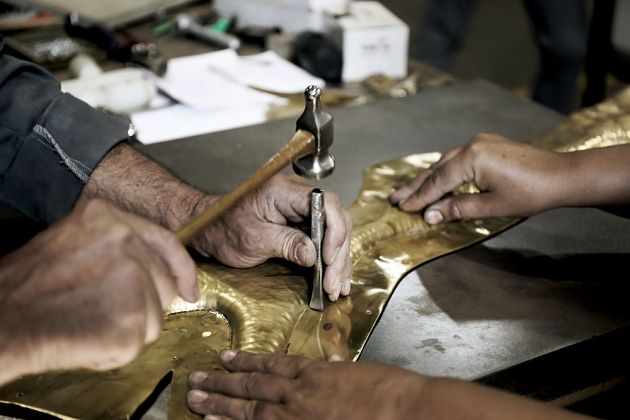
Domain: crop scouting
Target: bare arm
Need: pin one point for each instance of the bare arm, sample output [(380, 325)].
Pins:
[(139, 185), (455, 399), (516, 180), (272, 386), (257, 229)]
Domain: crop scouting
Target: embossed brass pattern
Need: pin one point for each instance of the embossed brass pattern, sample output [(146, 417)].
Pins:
[(118, 393), (605, 124), (264, 309)]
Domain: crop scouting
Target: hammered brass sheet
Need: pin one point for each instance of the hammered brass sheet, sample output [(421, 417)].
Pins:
[(264, 309), (605, 124)]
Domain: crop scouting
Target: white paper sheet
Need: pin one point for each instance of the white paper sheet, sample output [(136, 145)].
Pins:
[(213, 94), (195, 81), (266, 71), (180, 121)]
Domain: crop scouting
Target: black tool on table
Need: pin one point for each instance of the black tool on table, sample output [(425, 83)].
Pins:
[(118, 47)]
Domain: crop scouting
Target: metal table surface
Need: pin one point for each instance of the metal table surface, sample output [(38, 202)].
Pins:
[(546, 284)]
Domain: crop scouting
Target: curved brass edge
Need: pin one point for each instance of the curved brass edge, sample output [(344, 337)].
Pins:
[(267, 305), (386, 244)]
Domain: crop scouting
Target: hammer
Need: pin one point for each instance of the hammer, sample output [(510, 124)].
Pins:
[(308, 150)]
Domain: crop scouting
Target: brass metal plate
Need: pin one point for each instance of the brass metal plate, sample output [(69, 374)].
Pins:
[(264, 309)]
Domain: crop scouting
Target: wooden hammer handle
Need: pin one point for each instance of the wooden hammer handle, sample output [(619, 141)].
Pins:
[(302, 144)]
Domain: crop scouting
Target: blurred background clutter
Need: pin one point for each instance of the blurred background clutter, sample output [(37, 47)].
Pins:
[(186, 68), (181, 68)]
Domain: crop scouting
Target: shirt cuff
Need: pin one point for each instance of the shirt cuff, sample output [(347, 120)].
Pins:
[(58, 157)]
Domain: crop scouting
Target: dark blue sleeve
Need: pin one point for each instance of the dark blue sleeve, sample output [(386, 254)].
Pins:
[(50, 142)]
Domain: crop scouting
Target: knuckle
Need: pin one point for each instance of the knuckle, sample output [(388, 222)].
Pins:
[(211, 404), (169, 237), (455, 209), (481, 138), (270, 362), (255, 410), (480, 144), (134, 273), (476, 147), (284, 243), (435, 180), (250, 242), (249, 383), (122, 235)]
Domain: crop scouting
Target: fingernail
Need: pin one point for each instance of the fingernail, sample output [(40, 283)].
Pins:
[(196, 396), (228, 355), (197, 378), (335, 358), (433, 217), (212, 417), (300, 253), (332, 297)]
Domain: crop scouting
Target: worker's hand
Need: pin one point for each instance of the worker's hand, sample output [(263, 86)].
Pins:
[(89, 291), (514, 179), (289, 387), (268, 223)]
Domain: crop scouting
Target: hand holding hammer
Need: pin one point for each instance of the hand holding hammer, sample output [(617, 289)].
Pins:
[(308, 150)]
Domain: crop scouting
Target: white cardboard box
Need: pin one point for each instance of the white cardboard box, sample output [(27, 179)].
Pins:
[(291, 16), (373, 41)]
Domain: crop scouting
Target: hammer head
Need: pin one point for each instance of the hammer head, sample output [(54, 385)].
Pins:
[(319, 123)]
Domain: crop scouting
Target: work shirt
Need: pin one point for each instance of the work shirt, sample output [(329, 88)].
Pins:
[(50, 142)]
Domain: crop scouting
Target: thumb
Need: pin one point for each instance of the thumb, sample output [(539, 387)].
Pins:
[(293, 245), (463, 206)]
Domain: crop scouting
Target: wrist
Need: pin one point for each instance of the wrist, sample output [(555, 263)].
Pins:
[(599, 177), (560, 186), (205, 242), (183, 204), (574, 174)]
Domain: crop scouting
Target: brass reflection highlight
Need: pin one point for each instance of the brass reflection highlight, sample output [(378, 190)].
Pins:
[(265, 309)]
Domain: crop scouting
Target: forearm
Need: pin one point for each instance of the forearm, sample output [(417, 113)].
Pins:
[(597, 177), (139, 185), (455, 399), (16, 356)]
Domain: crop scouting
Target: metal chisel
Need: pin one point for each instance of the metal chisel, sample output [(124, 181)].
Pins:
[(318, 224)]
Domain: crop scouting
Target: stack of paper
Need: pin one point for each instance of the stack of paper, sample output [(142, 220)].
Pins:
[(215, 92)]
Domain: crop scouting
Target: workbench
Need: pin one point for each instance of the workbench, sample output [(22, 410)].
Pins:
[(517, 312), (498, 312)]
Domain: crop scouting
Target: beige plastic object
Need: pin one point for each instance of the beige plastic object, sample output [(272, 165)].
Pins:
[(120, 91)]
